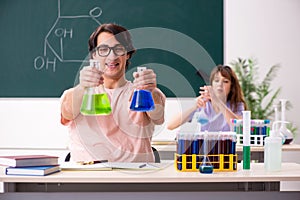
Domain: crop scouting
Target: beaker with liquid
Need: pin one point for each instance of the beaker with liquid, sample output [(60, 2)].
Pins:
[(206, 167), (95, 100), (142, 99), (201, 117)]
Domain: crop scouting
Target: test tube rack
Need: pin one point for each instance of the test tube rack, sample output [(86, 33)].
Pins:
[(220, 162), (259, 130), (215, 148)]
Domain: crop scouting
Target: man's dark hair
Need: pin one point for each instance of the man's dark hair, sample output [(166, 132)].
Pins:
[(121, 34)]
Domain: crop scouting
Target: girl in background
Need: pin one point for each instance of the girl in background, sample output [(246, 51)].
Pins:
[(218, 102)]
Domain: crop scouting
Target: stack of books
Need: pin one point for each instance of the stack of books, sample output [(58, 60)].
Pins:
[(33, 165)]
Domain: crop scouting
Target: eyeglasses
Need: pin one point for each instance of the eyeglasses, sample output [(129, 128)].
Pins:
[(104, 50)]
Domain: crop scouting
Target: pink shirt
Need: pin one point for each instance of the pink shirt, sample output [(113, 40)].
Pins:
[(122, 136)]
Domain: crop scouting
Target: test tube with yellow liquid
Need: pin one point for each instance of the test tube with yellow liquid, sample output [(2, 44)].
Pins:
[(95, 100)]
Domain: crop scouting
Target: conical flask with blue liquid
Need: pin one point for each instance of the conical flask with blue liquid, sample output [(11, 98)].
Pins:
[(95, 100), (206, 167), (142, 100)]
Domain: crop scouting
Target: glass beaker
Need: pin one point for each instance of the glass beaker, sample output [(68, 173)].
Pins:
[(201, 117), (95, 100), (206, 167), (142, 99)]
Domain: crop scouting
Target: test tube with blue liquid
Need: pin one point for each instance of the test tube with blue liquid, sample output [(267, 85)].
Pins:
[(142, 100), (180, 149), (188, 149), (196, 147), (233, 148)]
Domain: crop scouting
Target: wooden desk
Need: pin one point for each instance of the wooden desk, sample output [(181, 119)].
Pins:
[(143, 183), (168, 148)]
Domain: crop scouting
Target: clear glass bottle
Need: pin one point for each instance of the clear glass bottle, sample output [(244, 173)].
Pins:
[(142, 100), (95, 100)]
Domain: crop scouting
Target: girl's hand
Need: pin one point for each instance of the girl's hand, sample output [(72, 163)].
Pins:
[(205, 92), (201, 102)]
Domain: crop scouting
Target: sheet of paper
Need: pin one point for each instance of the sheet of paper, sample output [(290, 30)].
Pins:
[(78, 167), (126, 165), (108, 166)]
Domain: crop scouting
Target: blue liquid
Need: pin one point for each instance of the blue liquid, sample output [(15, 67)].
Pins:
[(181, 147), (179, 166), (195, 147), (233, 147), (202, 120), (206, 169), (142, 101), (195, 150)]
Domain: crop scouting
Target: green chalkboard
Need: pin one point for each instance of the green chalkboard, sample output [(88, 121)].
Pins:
[(43, 43)]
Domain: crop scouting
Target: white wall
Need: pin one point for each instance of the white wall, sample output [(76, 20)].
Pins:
[(33, 123), (27, 123), (268, 30)]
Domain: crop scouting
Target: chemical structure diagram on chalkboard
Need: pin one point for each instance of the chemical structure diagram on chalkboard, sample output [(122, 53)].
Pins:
[(64, 35)]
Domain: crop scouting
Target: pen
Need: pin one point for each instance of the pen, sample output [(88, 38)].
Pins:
[(143, 165), (152, 165), (91, 162)]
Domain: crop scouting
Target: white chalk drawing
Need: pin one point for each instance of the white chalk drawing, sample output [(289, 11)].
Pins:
[(63, 34)]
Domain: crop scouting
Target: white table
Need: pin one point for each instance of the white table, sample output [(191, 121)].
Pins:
[(163, 181)]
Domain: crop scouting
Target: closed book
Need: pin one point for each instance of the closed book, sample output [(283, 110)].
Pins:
[(28, 160), (32, 171)]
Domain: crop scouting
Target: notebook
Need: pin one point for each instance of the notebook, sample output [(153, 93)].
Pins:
[(32, 171)]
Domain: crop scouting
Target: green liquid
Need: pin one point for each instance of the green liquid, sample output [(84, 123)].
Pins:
[(246, 157), (95, 104)]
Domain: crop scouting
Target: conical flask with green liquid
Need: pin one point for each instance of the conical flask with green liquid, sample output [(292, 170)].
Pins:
[(95, 100)]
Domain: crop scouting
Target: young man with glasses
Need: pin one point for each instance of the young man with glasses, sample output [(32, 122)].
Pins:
[(123, 135)]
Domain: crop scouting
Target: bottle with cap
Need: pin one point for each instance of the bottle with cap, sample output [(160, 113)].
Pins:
[(273, 149), (95, 100), (142, 99)]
